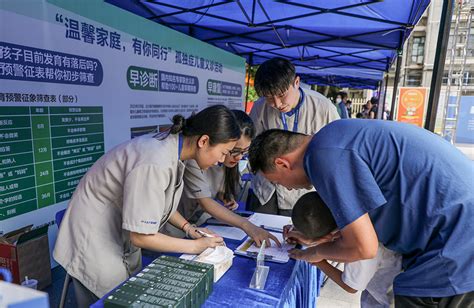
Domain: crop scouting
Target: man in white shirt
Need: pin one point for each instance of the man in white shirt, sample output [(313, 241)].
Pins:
[(283, 104)]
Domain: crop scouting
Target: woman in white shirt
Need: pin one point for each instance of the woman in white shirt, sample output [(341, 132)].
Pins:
[(212, 192), (129, 193)]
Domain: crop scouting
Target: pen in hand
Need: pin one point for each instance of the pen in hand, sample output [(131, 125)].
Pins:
[(206, 234)]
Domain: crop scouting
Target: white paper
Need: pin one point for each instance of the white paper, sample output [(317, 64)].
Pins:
[(271, 222), (227, 232), (279, 254)]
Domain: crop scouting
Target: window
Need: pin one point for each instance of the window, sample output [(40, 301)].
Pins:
[(418, 50), (470, 45), (413, 80), (468, 78)]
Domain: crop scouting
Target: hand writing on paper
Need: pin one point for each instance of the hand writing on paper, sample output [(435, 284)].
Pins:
[(293, 236), (193, 233), (259, 234), (308, 255)]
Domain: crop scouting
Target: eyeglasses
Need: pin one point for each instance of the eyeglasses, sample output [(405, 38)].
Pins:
[(238, 152)]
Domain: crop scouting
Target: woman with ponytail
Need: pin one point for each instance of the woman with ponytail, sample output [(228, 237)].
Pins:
[(130, 193), (212, 192)]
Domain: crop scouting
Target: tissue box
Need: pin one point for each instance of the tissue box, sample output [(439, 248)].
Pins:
[(14, 296), (221, 257)]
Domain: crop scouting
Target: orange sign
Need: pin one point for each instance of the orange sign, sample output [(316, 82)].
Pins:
[(411, 105)]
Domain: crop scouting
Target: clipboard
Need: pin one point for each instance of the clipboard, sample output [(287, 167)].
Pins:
[(272, 254)]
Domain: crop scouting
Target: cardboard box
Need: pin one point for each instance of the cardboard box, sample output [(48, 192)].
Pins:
[(12, 296), (25, 252)]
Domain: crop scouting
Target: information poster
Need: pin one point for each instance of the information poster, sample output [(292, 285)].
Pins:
[(411, 105), (465, 121), (79, 77)]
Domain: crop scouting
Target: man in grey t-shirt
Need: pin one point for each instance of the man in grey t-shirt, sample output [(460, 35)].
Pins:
[(285, 105)]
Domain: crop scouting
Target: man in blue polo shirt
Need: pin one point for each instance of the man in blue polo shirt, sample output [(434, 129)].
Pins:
[(386, 182)]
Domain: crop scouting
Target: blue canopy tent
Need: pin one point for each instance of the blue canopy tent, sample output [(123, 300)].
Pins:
[(329, 41)]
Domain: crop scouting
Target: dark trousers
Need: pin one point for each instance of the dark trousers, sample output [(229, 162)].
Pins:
[(271, 207), (465, 300), (84, 297)]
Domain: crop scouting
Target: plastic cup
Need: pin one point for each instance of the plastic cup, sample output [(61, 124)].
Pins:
[(30, 283)]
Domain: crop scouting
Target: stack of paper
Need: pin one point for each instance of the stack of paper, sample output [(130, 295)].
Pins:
[(270, 222)]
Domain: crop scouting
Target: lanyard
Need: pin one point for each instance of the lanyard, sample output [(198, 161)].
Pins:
[(295, 111), (180, 145)]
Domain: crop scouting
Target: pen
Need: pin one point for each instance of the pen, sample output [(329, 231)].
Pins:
[(206, 234), (254, 254), (271, 228)]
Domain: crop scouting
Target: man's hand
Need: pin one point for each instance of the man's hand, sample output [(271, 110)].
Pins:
[(259, 234), (292, 236), (308, 255)]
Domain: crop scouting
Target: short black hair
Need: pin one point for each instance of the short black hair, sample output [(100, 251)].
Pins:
[(312, 217), (342, 94), (274, 77), (269, 145), (374, 100)]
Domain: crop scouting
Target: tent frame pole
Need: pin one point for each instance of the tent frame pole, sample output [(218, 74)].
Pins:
[(248, 79), (385, 93), (438, 67), (395, 82)]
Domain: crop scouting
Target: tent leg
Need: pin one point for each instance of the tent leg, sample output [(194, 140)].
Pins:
[(438, 67), (248, 80), (395, 83)]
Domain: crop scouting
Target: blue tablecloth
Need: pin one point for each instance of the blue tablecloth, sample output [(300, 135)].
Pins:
[(293, 284)]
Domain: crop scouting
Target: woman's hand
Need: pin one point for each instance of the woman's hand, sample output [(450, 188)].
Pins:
[(231, 205), (259, 234), (203, 243), (193, 233)]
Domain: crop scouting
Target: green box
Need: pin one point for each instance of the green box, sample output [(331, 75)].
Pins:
[(40, 126), (166, 282), (18, 209), (17, 147), (16, 134), (78, 150), (13, 110), (67, 184), (7, 174), (13, 161), (72, 130), (190, 265), (64, 195), (138, 78), (83, 160), (69, 141), (44, 173), (38, 110), (45, 195), (17, 185), (75, 119), (15, 122), (42, 149), (75, 110), (67, 174), (17, 197), (186, 293)]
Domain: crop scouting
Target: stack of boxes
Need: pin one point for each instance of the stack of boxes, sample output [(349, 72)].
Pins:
[(166, 282)]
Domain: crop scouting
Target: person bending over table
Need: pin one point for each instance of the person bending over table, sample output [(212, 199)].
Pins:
[(221, 182), (385, 182), (129, 193)]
